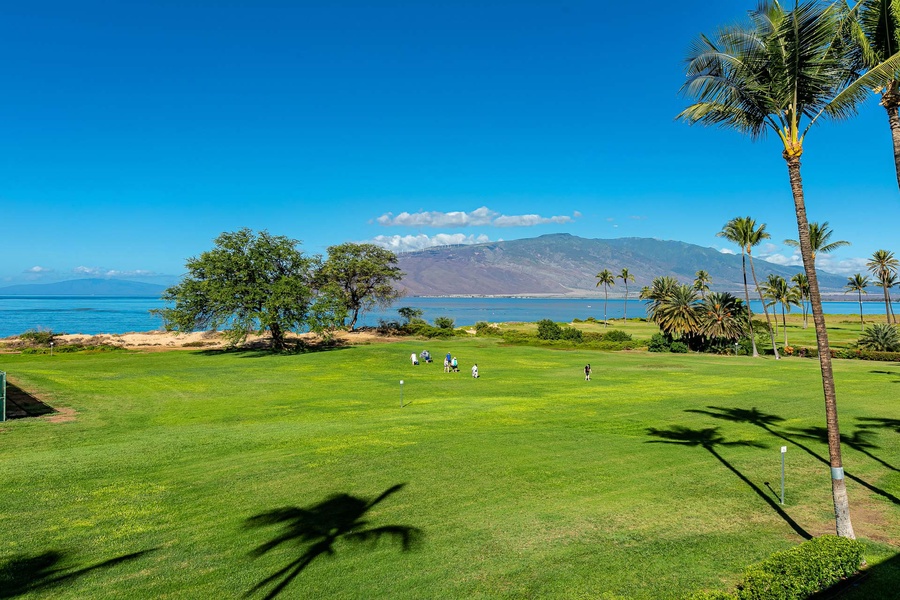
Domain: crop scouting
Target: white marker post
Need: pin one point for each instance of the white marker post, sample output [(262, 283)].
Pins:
[(783, 451), (51, 348), (401, 395)]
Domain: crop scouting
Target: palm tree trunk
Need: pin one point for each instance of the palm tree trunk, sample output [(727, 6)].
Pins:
[(625, 306), (765, 309), (747, 296), (862, 324), (887, 302), (890, 101), (784, 324), (605, 300), (843, 525)]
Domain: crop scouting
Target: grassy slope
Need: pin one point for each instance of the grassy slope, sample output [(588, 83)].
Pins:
[(528, 482)]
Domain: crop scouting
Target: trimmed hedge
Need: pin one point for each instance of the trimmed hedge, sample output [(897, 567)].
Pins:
[(796, 573), (850, 353)]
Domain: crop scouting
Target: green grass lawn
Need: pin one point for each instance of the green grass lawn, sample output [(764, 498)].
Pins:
[(648, 482)]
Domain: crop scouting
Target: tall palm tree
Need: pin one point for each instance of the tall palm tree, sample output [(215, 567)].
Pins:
[(677, 314), (801, 282), (701, 283), (819, 237), (658, 290), (744, 232), (889, 281), (783, 72), (858, 283), (776, 288), (882, 265), (606, 279), (625, 276), (876, 33)]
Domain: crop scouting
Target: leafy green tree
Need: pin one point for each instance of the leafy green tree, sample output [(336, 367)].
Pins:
[(548, 330), (858, 283), (444, 323), (783, 72), (801, 283), (409, 313), (362, 276), (702, 280), (625, 276), (606, 279), (744, 232), (250, 282), (883, 266), (881, 337)]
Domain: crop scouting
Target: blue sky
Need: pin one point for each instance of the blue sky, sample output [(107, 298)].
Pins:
[(134, 133)]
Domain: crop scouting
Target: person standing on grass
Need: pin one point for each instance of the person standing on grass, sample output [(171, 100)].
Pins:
[(587, 372), (475, 371)]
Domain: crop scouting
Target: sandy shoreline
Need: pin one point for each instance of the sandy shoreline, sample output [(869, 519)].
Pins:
[(170, 340)]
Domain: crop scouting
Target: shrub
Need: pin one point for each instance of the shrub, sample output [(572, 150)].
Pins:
[(678, 347), (658, 343), (617, 335), (577, 320), (485, 328), (801, 571), (391, 327), (39, 337), (881, 338), (548, 330), (711, 596), (443, 323), (570, 334)]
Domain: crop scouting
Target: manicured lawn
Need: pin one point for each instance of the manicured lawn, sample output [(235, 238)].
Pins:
[(526, 483)]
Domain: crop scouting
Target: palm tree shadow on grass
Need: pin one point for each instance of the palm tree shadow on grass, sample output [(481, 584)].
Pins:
[(858, 441), (318, 528), (26, 573), (765, 421), (709, 439), (879, 423)]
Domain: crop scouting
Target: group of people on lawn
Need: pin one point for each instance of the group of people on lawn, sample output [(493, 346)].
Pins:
[(450, 362)]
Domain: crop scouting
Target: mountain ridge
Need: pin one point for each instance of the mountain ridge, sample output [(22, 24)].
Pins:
[(85, 287), (564, 265)]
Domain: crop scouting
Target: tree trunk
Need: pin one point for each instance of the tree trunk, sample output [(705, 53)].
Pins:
[(277, 336), (747, 296), (890, 100), (353, 319), (887, 302), (625, 306), (765, 309), (843, 525), (784, 323), (605, 300), (862, 324)]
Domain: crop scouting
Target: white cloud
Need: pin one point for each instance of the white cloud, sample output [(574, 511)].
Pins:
[(846, 266), (726, 251), (112, 273), (781, 259), (408, 243), (479, 217), (37, 269)]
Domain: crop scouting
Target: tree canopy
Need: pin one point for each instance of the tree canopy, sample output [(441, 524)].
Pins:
[(250, 282), (360, 277)]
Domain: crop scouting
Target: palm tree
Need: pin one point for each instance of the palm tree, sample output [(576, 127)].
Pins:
[(882, 265), (802, 285), (701, 283), (606, 279), (658, 290), (722, 316), (876, 32), (890, 280), (784, 72), (625, 276), (744, 232), (819, 236), (777, 289), (858, 283), (881, 337), (677, 313)]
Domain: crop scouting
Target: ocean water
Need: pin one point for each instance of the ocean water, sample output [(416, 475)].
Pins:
[(96, 314)]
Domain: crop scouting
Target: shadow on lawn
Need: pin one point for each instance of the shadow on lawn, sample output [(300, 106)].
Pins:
[(21, 404), (262, 351), (765, 422), (317, 528), (879, 581), (709, 439), (25, 573), (879, 423)]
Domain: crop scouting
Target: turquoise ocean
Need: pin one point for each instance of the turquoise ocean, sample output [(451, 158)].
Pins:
[(98, 314)]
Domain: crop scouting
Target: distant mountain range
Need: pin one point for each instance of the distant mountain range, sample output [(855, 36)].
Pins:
[(85, 287), (566, 265)]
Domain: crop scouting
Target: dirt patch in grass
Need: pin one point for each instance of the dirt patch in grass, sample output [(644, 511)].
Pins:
[(63, 415)]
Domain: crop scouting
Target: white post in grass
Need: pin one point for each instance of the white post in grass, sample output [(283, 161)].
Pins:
[(51, 348), (401, 393), (783, 451)]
